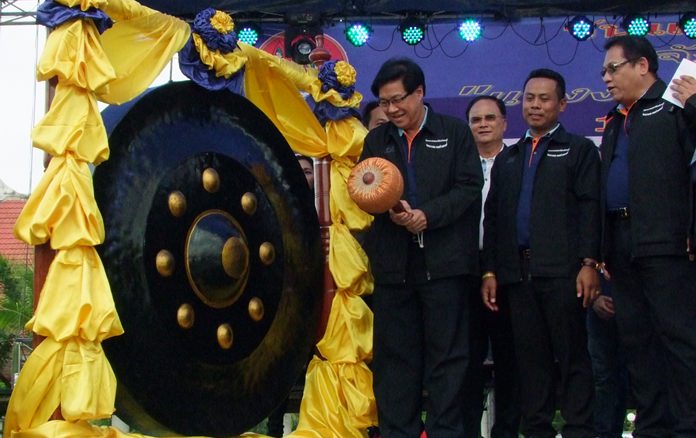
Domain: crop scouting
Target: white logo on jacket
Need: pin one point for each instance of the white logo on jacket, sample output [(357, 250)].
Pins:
[(555, 153), (437, 143), (653, 109)]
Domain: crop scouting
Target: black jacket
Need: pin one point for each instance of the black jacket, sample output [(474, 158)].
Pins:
[(662, 138), (449, 181), (565, 212)]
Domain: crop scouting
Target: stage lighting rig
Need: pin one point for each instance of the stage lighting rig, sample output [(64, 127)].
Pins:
[(636, 25), (248, 33), (687, 22), (470, 29), (581, 28), (412, 30), (358, 33)]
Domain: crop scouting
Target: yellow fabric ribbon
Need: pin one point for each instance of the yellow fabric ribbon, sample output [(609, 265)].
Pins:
[(72, 374), (74, 55), (62, 208), (348, 262), (337, 400), (83, 429), (270, 83), (348, 337), (73, 124), (92, 316), (76, 311), (222, 66), (84, 4), (139, 45)]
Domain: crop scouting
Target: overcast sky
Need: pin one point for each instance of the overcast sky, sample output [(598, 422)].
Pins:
[(22, 100), (20, 96)]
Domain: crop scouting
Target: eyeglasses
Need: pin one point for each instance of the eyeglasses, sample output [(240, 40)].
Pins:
[(490, 118), (612, 67), (385, 103)]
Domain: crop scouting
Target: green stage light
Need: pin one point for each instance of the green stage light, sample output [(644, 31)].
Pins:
[(581, 28), (470, 30), (249, 34), (358, 33), (636, 25), (687, 22), (412, 30)]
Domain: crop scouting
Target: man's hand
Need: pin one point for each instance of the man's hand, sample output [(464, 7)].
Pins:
[(402, 217), (603, 306), (489, 288), (587, 285), (417, 222), (683, 88), (414, 220)]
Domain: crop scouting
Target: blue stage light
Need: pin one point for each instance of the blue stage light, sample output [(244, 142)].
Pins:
[(248, 33), (412, 30), (581, 28), (636, 25), (470, 29), (358, 33), (687, 22)]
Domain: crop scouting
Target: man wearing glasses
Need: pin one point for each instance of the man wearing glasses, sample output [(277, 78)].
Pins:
[(424, 260), (647, 147), (487, 120)]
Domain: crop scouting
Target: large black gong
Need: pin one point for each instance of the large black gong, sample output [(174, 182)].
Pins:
[(214, 258)]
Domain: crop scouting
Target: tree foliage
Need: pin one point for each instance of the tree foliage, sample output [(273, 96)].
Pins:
[(16, 307)]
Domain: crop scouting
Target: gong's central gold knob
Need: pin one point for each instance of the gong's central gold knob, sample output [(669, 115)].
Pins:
[(235, 257)]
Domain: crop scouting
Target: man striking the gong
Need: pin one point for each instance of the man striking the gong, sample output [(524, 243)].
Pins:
[(424, 259)]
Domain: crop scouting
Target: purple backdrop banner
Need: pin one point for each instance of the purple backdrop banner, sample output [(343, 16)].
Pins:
[(499, 62)]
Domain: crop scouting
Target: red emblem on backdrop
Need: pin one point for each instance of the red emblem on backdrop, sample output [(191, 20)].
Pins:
[(276, 46)]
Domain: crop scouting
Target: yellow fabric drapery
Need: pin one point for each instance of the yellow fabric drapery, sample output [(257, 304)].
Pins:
[(76, 310), (338, 399)]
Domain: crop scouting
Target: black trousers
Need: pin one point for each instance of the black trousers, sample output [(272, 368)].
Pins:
[(655, 303), (494, 328), (421, 342), (610, 372), (548, 324)]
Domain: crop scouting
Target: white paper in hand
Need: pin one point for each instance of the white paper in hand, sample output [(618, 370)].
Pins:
[(686, 67)]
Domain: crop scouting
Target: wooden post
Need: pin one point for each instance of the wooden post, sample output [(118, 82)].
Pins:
[(43, 254), (322, 186)]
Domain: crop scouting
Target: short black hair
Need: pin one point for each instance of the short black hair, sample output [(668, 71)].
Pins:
[(549, 74), (307, 159), (367, 112), (634, 48), (498, 101), (394, 69)]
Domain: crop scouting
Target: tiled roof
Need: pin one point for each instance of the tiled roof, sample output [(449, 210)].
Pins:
[(10, 247)]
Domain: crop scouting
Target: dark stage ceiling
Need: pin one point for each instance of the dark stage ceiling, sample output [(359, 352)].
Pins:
[(328, 11)]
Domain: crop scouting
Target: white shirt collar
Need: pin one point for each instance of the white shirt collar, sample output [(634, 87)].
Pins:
[(502, 146)]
